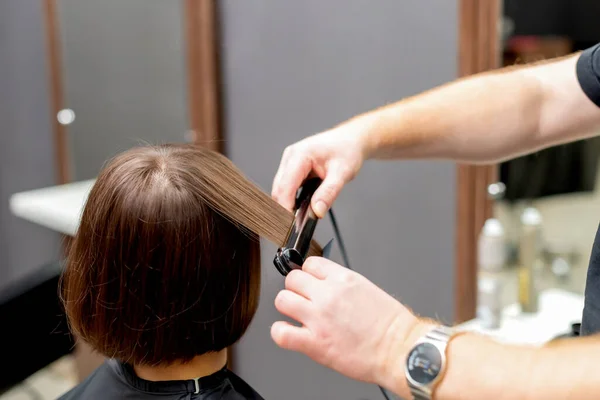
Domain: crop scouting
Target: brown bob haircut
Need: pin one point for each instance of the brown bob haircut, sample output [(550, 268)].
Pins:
[(165, 265)]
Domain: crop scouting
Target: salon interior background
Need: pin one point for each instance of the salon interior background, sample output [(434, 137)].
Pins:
[(284, 70)]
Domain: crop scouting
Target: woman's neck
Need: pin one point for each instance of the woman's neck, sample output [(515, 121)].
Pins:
[(199, 366)]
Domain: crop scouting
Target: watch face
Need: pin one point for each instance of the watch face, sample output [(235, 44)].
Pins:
[(424, 363)]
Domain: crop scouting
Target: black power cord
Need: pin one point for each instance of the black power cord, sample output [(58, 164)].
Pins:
[(344, 254)]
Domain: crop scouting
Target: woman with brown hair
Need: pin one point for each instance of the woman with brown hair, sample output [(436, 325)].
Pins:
[(164, 273)]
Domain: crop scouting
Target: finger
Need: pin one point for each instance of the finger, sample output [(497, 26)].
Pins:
[(302, 283), (294, 173), (328, 191), (290, 337), (284, 159), (293, 305), (321, 268)]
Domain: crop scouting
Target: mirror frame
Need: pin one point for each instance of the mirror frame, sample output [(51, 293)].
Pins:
[(479, 51)]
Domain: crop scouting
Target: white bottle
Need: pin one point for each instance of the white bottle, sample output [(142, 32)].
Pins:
[(491, 246), (491, 258), (530, 247)]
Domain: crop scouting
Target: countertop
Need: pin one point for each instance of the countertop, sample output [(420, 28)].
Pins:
[(558, 309), (57, 207)]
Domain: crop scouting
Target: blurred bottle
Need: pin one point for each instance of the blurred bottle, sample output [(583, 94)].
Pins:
[(491, 258), (491, 247), (530, 247)]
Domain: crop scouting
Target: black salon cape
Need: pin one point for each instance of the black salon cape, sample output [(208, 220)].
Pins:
[(588, 73), (114, 380)]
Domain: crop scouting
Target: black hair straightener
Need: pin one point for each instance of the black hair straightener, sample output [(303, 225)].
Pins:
[(293, 253), (295, 248)]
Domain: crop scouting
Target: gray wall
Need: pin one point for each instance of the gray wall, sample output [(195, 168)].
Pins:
[(124, 75), (26, 146), (295, 68)]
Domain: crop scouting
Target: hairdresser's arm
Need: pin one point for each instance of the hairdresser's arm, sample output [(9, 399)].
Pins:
[(480, 368), (486, 118), (350, 325), (483, 118)]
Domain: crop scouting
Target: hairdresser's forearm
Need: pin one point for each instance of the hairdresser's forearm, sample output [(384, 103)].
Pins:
[(484, 118), (480, 368)]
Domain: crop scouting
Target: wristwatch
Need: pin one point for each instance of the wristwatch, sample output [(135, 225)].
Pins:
[(426, 362)]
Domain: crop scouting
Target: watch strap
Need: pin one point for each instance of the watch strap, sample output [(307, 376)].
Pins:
[(419, 394), (441, 334)]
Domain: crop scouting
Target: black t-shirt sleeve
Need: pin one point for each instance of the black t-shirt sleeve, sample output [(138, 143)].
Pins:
[(590, 323), (588, 73)]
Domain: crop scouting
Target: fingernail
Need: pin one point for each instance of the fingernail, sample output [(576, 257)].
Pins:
[(275, 330), (320, 208)]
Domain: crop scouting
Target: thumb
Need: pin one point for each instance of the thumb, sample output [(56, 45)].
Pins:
[(328, 192)]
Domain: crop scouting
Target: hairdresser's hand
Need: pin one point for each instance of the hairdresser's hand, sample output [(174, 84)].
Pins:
[(334, 156), (348, 323)]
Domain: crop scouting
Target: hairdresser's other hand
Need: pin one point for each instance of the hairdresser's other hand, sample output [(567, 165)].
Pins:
[(335, 156), (348, 323)]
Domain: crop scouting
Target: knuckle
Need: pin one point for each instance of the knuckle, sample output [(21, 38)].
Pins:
[(288, 151), (330, 190), (305, 161), (345, 171), (281, 300), (292, 278), (313, 264), (328, 302), (294, 274), (347, 278)]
